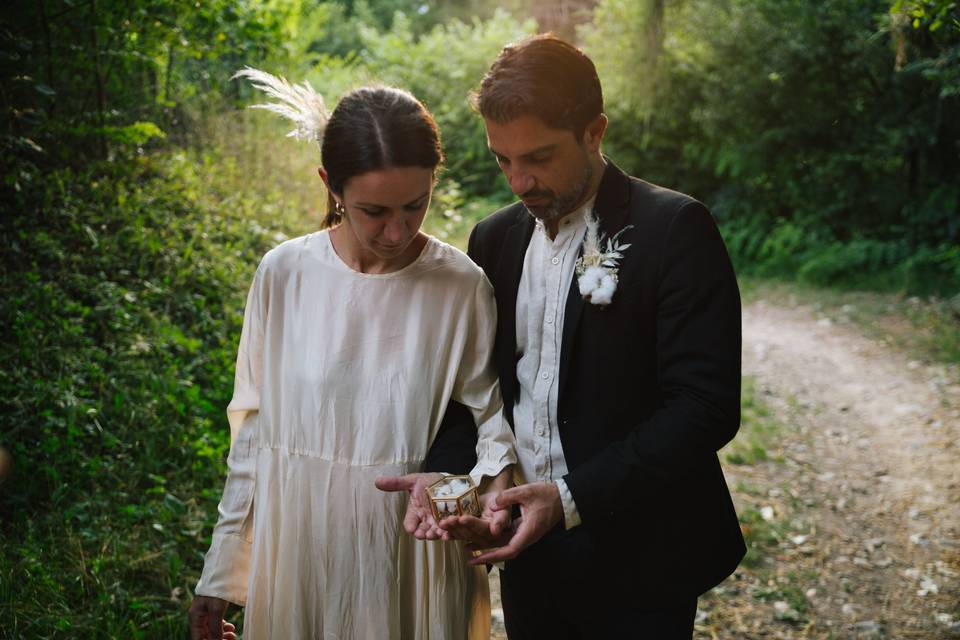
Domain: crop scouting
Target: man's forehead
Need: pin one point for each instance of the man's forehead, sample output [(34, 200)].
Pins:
[(525, 135)]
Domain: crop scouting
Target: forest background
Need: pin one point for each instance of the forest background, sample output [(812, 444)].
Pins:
[(138, 195)]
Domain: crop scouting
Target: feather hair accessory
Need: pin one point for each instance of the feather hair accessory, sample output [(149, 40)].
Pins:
[(297, 102)]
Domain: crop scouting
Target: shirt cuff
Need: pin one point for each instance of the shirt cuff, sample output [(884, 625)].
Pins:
[(571, 517)]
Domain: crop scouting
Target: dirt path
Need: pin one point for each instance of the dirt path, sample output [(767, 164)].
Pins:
[(864, 504), (856, 531)]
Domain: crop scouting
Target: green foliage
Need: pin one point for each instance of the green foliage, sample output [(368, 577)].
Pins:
[(449, 60), (138, 195), (122, 291), (822, 135)]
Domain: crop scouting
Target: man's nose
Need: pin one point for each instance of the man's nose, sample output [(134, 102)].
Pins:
[(520, 181)]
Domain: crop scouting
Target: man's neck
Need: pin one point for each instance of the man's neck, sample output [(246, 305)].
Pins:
[(552, 226)]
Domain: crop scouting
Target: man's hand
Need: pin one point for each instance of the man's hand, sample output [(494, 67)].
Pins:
[(540, 511), (492, 528), (206, 620), (419, 520)]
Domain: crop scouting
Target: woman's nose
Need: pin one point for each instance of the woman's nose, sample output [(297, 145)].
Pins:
[(396, 230)]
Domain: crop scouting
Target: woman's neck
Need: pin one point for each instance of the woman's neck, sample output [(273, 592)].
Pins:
[(360, 259)]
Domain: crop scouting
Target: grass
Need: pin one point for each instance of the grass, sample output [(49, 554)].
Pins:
[(759, 434)]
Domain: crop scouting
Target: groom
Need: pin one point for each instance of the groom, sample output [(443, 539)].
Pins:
[(619, 368)]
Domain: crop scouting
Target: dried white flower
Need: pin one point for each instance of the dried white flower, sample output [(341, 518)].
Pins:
[(596, 269)]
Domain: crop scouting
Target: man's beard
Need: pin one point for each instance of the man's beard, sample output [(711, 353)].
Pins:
[(560, 205)]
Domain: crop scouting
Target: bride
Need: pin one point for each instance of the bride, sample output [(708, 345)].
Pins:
[(354, 340)]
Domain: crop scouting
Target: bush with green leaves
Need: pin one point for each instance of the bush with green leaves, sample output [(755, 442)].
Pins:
[(122, 291), (838, 122)]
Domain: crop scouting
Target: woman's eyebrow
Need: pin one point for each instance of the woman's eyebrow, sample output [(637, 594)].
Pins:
[(374, 205)]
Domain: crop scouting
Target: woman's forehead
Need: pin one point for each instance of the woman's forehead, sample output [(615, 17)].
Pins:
[(391, 186)]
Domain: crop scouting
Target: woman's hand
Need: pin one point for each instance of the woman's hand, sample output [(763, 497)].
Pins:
[(206, 620), (419, 520), (493, 527)]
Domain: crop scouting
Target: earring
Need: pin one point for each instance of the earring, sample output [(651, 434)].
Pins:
[(338, 208)]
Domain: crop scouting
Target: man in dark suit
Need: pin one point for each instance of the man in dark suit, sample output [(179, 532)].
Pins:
[(619, 366)]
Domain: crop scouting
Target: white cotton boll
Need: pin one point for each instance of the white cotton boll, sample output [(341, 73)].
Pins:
[(603, 294), (590, 280)]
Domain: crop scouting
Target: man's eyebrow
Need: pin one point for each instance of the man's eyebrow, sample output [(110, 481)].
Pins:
[(544, 149)]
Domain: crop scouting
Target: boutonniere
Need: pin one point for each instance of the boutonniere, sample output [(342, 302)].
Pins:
[(597, 269)]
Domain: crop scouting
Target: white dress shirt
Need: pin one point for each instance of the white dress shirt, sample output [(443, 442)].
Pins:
[(548, 268)]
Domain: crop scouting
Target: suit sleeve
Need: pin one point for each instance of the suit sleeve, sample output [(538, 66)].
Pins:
[(454, 449), (698, 367), (226, 567)]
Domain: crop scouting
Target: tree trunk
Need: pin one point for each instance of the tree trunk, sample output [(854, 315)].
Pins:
[(100, 88), (654, 31)]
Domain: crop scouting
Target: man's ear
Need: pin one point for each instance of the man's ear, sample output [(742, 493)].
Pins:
[(594, 132)]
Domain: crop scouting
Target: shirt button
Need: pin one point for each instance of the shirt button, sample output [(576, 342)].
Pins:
[(539, 431), (555, 261), (545, 375), (549, 320)]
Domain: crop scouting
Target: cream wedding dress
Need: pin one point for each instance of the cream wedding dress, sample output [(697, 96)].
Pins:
[(343, 377)]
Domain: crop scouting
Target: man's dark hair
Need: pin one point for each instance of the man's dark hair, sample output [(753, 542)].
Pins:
[(375, 128), (545, 77)]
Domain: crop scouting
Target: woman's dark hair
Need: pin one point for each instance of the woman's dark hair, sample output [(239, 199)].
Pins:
[(375, 128), (545, 77)]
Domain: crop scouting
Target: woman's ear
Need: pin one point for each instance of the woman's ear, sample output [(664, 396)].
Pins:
[(326, 183)]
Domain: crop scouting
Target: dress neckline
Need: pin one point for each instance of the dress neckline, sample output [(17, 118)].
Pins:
[(335, 257)]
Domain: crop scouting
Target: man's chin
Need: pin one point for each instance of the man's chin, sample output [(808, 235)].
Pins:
[(542, 212)]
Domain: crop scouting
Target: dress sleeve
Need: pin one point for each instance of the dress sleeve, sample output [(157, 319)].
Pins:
[(226, 567), (477, 387)]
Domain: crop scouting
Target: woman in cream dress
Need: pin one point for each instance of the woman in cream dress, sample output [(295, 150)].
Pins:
[(354, 340)]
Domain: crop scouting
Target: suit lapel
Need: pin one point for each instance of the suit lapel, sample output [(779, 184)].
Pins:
[(509, 270), (612, 209)]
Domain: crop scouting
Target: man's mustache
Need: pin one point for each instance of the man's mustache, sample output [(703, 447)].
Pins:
[(536, 193)]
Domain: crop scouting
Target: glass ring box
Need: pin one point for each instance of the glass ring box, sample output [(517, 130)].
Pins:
[(453, 496)]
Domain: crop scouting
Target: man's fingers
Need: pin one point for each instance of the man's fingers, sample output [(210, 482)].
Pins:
[(466, 528), (510, 497), (499, 521), (491, 556), (522, 538), (395, 483)]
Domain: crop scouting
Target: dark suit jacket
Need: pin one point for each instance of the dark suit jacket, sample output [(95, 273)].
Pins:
[(649, 386)]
